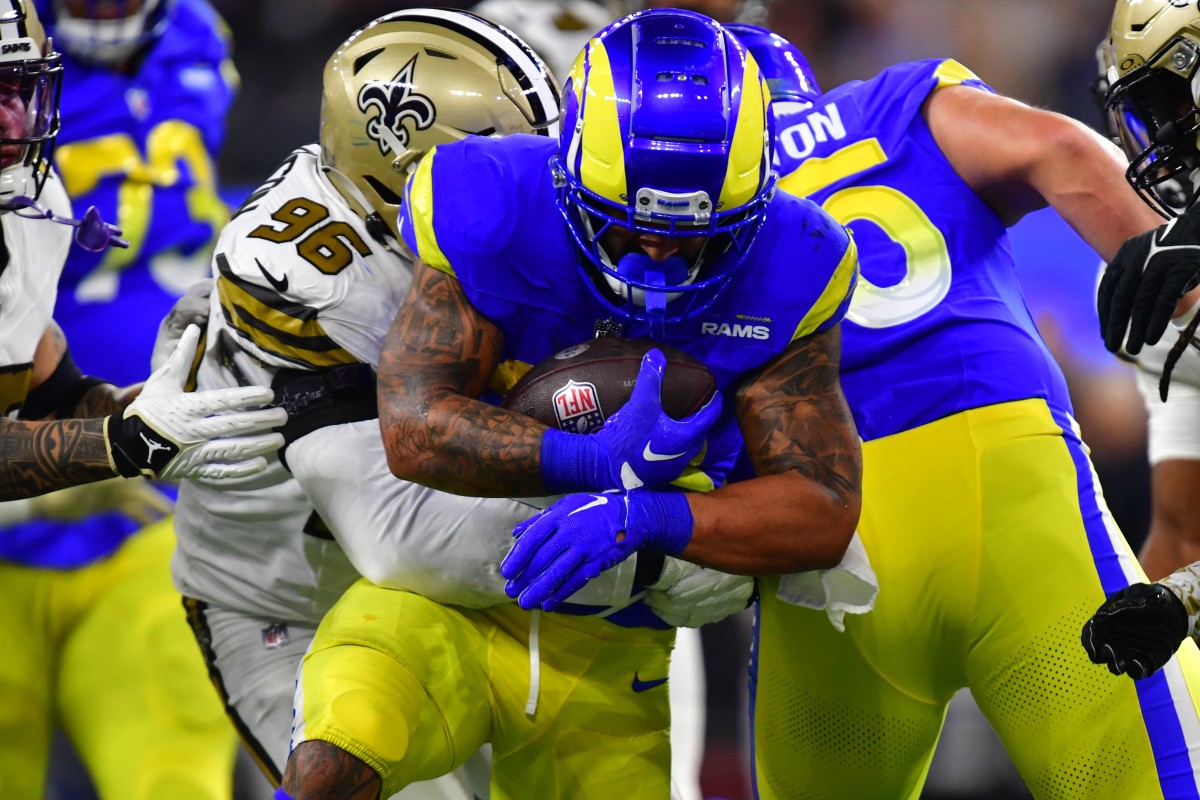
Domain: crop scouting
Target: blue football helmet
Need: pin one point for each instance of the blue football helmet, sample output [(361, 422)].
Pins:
[(104, 31), (665, 132), (784, 67)]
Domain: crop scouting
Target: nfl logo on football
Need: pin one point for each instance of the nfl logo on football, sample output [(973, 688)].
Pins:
[(578, 408)]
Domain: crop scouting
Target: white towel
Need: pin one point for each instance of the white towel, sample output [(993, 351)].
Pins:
[(848, 588)]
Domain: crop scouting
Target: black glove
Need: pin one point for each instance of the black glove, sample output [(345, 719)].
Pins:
[(1137, 630), (1144, 281)]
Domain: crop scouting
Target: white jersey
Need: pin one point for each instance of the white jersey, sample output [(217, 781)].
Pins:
[(301, 283), (1174, 426), (36, 250)]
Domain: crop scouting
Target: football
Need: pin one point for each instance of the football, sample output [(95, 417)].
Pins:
[(577, 388)]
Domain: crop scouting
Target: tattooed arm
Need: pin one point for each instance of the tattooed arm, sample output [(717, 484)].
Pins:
[(39, 457), (801, 510), (436, 362), (99, 400)]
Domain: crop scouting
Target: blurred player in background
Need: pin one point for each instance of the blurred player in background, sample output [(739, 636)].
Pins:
[(145, 89), (981, 515), (556, 29), (1150, 66), (573, 704)]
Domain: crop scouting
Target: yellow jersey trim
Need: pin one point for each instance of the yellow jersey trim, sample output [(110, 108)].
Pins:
[(834, 294), (419, 198)]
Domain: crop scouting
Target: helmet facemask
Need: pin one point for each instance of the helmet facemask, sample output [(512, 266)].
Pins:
[(29, 93), (1154, 111)]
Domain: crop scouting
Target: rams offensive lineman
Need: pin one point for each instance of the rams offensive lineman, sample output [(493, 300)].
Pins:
[(982, 517), (160, 432), (644, 219), (308, 276)]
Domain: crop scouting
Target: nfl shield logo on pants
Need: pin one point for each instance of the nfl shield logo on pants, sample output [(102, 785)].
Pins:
[(275, 636), (578, 408)]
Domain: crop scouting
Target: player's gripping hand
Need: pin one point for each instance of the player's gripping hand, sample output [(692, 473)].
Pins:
[(1144, 281), (168, 433), (581, 535), (190, 309), (639, 445), (1137, 630), (689, 595)]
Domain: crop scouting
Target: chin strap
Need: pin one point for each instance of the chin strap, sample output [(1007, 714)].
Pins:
[(91, 232)]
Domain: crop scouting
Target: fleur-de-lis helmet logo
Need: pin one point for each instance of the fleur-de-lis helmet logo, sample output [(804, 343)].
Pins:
[(394, 102)]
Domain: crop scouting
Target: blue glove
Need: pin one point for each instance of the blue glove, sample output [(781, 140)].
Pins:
[(640, 445), (581, 535)]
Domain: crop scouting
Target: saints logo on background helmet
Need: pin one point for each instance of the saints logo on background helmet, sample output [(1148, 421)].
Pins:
[(395, 103), (1154, 94), (380, 113), (30, 75)]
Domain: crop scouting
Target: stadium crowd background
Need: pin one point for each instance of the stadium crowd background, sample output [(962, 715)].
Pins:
[(1039, 52)]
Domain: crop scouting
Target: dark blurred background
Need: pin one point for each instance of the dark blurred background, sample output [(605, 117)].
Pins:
[(1036, 51)]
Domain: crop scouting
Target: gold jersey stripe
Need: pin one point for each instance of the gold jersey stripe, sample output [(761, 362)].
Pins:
[(14, 386), (834, 294), (277, 326)]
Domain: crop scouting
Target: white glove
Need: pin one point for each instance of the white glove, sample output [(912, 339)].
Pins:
[(191, 309), (688, 595), (167, 433)]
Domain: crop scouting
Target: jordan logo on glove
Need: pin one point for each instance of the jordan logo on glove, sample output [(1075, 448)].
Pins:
[(152, 446)]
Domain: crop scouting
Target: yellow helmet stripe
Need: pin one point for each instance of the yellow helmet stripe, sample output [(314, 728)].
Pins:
[(602, 160), (834, 294), (418, 198), (743, 171)]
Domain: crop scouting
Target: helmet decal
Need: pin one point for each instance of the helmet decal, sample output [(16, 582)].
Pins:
[(413, 79), (395, 102)]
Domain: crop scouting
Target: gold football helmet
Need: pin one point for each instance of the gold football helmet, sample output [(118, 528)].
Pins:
[(1154, 94), (418, 78)]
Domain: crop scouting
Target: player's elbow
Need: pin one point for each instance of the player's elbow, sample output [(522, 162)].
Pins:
[(403, 454), (829, 548)]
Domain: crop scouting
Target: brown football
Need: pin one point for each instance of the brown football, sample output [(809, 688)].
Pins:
[(577, 388)]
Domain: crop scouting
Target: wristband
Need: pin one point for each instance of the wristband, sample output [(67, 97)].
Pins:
[(118, 459), (669, 520), (570, 462)]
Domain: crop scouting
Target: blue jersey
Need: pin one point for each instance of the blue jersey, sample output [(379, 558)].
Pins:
[(141, 147), (937, 324), (484, 211)]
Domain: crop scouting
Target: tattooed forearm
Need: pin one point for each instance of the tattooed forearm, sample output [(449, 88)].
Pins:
[(437, 358), (794, 418), (39, 457), (318, 770), (105, 399)]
